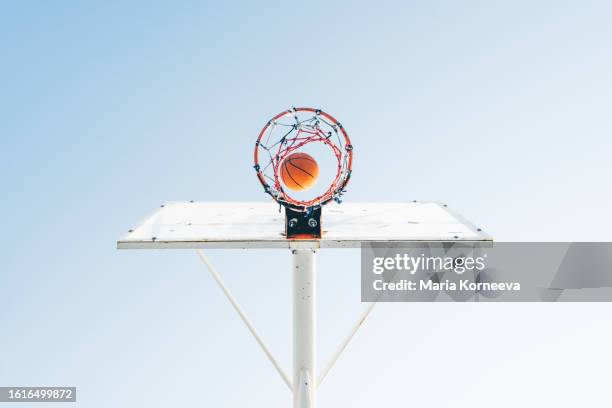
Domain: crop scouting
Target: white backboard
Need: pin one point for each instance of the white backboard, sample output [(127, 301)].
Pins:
[(188, 225)]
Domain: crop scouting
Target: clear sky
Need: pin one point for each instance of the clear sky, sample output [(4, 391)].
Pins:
[(108, 109)]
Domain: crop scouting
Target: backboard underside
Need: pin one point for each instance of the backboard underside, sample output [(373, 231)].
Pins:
[(189, 225)]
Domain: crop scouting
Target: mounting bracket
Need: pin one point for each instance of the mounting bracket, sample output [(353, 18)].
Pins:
[(303, 224)]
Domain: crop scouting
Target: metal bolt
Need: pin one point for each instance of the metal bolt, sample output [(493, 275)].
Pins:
[(293, 222), (312, 223)]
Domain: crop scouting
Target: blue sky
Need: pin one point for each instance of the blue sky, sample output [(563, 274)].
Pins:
[(501, 110)]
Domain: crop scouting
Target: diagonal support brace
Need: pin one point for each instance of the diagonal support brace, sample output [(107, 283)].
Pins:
[(346, 341), (244, 317)]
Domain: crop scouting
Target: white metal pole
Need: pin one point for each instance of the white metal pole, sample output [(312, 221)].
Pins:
[(304, 329)]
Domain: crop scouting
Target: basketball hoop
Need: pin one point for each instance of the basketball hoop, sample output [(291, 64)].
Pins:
[(288, 133)]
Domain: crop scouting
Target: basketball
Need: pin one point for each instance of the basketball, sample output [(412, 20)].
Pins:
[(299, 171)]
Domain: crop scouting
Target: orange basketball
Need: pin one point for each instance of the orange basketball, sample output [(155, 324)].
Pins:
[(299, 171)]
